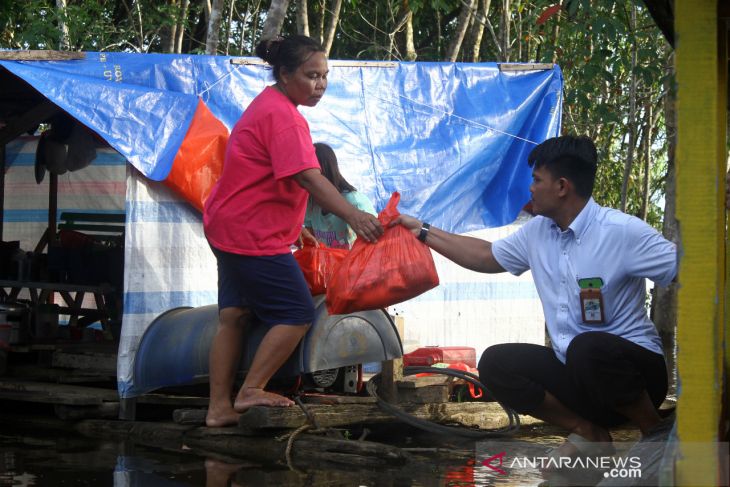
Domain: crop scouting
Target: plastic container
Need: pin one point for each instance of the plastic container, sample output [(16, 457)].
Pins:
[(46, 322), (5, 330), (15, 315), (427, 356)]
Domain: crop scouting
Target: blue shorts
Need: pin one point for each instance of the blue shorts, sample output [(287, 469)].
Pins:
[(272, 286)]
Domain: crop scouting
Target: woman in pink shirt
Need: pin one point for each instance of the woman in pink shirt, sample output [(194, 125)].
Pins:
[(253, 216)]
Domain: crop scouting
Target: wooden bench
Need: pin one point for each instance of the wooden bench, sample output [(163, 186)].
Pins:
[(102, 227)]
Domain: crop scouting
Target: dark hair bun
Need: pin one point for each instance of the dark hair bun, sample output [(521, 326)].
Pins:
[(268, 49)]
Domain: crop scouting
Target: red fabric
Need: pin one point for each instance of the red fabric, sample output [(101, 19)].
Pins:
[(374, 275), (318, 264), (255, 208)]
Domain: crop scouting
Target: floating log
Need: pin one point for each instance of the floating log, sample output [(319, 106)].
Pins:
[(480, 414), (166, 435), (306, 449)]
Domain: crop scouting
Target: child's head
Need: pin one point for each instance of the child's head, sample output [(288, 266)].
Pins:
[(328, 162)]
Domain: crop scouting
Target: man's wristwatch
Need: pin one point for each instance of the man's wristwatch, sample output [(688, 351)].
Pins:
[(424, 231)]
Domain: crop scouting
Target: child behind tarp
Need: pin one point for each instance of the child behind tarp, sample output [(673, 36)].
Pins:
[(327, 227)]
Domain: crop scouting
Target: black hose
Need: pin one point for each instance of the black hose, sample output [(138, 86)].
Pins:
[(511, 429)]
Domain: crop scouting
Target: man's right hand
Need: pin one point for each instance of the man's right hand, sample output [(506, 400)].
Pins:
[(412, 224)]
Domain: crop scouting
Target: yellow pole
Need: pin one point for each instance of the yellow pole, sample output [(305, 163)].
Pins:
[(701, 134)]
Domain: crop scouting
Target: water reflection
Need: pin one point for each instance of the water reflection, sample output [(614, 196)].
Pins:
[(41, 458)]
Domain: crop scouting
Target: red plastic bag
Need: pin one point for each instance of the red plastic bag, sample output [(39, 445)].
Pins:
[(374, 275), (318, 264)]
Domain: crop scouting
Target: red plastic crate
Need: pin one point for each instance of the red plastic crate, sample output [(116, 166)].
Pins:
[(427, 356)]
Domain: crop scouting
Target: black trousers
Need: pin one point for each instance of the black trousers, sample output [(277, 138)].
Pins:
[(602, 372)]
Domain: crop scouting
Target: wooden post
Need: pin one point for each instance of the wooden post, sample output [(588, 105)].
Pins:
[(392, 370), (52, 207), (128, 408), (701, 62), (390, 375), (2, 190)]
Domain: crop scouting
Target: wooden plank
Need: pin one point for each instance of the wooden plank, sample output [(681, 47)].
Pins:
[(72, 217), (87, 227), (413, 382), (67, 412), (46, 393), (335, 399), (99, 363), (41, 55), (525, 66), (437, 393), (331, 62), (483, 414), (172, 400), (189, 416), (34, 372)]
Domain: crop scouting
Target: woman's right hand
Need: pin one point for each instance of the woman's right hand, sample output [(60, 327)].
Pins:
[(365, 225)]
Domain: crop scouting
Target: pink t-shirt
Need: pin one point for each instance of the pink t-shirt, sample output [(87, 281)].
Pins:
[(256, 208)]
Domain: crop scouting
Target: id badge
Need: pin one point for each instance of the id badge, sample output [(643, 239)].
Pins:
[(591, 301)]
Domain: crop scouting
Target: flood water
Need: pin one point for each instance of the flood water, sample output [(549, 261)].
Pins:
[(46, 458)]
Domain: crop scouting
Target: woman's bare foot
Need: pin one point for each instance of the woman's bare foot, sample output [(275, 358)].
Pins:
[(255, 396), (221, 416)]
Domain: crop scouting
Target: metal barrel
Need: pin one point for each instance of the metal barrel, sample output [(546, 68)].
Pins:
[(175, 346)]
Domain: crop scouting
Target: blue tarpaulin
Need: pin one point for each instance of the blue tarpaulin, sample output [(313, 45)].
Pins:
[(452, 138)]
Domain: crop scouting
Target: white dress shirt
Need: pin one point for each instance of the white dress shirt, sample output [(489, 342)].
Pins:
[(601, 242)]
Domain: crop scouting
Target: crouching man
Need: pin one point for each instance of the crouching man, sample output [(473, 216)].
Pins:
[(589, 264)]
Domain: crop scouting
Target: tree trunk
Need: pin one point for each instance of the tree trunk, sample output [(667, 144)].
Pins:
[(631, 118), (302, 18), (504, 30), (410, 46), (329, 35), (180, 29), (229, 24), (320, 25), (168, 32), (664, 309), (477, 29), (133, 21), (64, 43), (556, 34), (648, 136), (255, 26), (462, 23), (439, 41), (214, 27), (275, 19)]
